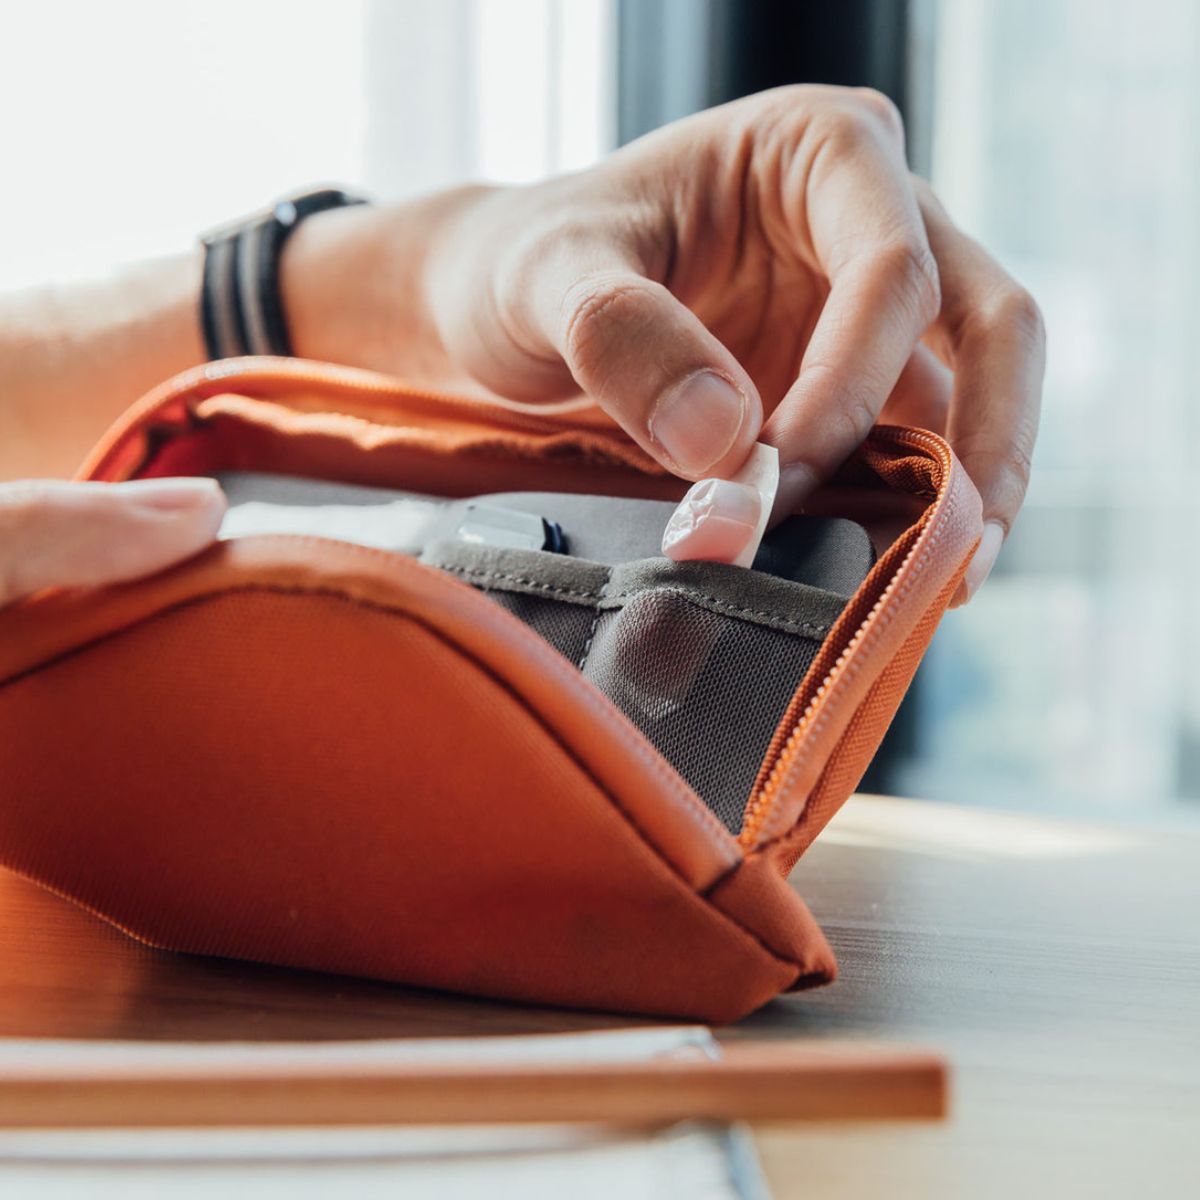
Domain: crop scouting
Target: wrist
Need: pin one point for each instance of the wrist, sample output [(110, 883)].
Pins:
[(355, 286)]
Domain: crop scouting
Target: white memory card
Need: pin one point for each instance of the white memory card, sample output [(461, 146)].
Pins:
[(760, 472)]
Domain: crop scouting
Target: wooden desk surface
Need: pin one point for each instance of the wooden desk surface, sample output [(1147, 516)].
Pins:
[(1058, 966)]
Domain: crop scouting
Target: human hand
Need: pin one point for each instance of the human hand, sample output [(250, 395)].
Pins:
[(55, 534), (768, 268)]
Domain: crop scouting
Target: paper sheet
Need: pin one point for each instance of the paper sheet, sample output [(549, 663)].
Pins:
[(696, 1162)]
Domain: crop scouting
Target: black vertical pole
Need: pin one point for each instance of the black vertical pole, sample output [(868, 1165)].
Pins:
[(675, 57), (679, 56)]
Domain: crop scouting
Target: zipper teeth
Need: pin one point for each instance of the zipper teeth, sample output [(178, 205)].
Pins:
[(758, 813)]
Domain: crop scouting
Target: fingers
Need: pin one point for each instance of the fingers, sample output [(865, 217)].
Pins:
[(990, 331), (650, 363), (56, 534), (921, 397), (869, 241)]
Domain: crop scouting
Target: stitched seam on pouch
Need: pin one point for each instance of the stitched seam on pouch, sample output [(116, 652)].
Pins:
[(618, 599), (552, 589), (591, 637), (715, 602), (778, 955)]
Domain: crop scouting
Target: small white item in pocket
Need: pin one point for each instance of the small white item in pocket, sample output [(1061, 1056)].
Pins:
[(761, 472), (723, 520)]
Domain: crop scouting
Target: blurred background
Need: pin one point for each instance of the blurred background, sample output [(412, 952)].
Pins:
[(1064, 134)]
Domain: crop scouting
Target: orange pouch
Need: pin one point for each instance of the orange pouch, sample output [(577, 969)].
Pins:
[(495, 771)]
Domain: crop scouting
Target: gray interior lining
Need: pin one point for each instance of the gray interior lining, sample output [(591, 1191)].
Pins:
[(702, 657)]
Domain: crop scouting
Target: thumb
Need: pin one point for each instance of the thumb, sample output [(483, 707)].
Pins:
[(55, 534), (650, 363)]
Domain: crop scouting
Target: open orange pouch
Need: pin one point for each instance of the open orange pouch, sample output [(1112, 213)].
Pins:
[(493, 771)]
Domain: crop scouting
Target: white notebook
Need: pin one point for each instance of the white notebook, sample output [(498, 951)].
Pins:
[(696, 1162)]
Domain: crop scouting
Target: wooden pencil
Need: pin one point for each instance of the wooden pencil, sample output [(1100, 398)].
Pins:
[(749, 1081)]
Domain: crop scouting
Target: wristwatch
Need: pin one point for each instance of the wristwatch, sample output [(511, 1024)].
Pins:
[(241, 309)]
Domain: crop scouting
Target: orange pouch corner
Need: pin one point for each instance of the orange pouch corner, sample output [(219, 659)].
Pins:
[(298, 750)]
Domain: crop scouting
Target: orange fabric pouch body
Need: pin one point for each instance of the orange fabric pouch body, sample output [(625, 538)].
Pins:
[(301, 751)]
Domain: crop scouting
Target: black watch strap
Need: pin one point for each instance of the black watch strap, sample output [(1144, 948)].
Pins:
[(241, 309)]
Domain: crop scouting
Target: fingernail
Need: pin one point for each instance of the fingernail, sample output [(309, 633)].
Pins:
[(171, 495), (714, 521), (697, 421), (797, 482), (982, 564)]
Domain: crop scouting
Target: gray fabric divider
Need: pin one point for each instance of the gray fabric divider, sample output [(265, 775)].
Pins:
[(533, 572), (730, 591), (702, 657)]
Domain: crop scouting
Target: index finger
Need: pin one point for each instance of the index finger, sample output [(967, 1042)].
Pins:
[(870, 242), (990, 333)]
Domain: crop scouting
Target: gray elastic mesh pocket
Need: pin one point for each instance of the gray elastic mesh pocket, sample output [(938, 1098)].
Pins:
[(706, 689), (703, 658)]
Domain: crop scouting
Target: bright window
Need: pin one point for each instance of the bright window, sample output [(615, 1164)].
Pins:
[(132, 125), (1065, 140)]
